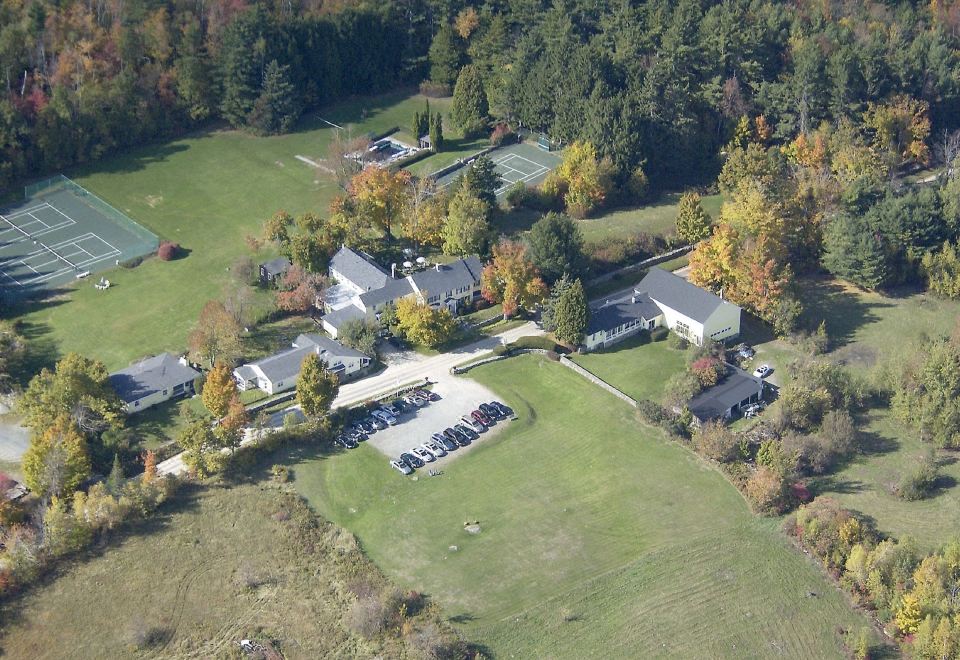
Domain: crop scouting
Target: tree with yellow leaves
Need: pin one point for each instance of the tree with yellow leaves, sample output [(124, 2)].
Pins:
[(380, 195), (900, 129), (57, 461), (512, 279), (424, 325), (219, 390), (908, 614), (580, 180)]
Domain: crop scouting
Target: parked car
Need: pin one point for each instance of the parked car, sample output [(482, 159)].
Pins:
[(505, 411), (429, 395), (462, 438), (357, 433), (480, 417), (423, 454), (763, 371), (365, 426), (435, 448), (411, 460), (390, 409), (467, 431), (744, 351), (346, 441), (384, 417), (402, 466), (490, 411), (473, 424), (444, 441), (415, 400), (376, 423)]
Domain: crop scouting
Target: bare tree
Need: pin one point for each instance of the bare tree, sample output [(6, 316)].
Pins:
[(948, 147), (346, 156)]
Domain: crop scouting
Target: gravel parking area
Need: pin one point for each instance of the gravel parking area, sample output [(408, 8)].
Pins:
[(458, 396)]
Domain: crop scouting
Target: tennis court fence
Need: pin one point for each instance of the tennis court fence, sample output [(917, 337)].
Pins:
[(60, 182)]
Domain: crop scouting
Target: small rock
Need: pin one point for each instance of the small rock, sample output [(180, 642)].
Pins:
[(453, 548)]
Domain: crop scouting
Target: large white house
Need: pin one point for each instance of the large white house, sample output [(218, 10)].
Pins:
[(153, 380), (278, 372), (363, 289), (663, 299)]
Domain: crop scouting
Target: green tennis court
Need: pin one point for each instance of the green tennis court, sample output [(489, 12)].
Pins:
[(61, 233), (523, 161)]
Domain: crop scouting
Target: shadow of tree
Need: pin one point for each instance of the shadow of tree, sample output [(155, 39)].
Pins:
[(843, 311)]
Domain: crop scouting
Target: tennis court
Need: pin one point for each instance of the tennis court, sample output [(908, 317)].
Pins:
[(515, 162), (61, 233)]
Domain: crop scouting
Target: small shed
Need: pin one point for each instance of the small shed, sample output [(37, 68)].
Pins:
[(424, 142), (273, 269)]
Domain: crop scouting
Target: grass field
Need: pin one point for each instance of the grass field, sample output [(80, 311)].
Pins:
[(658, 218), (864, 327), (639, 370), (186, 575), (206, 192), (598, 540)]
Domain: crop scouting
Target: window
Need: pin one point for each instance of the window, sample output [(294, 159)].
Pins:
[(136, 404), (165, 393)]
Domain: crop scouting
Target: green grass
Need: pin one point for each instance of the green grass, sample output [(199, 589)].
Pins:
[(453, 150), (658, 218), (638, 370), (598, 539), (178, 573), (207, 192)]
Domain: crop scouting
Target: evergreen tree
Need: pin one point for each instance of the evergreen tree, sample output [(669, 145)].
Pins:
[(416, 125), (556, 247), (571, 314), (115, 479), (548, 313), (436, 132), (693, 223), (470, 107), (467, 230), (278, 107), (445, 56), (241, 58), (854, 252), (483, 179)]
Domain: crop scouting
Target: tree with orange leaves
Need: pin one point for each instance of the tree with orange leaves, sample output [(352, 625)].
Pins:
[(512, 279)]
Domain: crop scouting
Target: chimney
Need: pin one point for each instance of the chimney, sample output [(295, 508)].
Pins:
[(438, 266), (183, 360), (393, 270), (721, 293)]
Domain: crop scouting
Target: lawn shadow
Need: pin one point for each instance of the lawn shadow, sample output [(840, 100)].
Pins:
[(834, 484), (139, 158), (842, 310), (352, 110), (41, 349), (463, 617)]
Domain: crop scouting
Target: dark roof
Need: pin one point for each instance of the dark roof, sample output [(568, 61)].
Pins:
[(615, 314), (286, 364), (678, 294), (394, 290), (151, 375), (717, 400), (277, 266), (358, 270), (443, 278)]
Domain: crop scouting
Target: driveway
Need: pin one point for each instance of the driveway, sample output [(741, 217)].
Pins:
[(401, 369), (458, 396), (14, 440)]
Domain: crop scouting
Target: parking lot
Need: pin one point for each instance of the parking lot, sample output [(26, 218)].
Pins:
[(458, 396)]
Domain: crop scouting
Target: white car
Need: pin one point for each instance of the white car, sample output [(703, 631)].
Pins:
[(384, 417), (763, 371), (399, 465), (473, 424), (434, 448), (414, 400), (423, 454)]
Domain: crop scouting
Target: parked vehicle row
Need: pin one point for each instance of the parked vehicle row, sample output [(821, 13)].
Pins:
[(461, 434), (385, 415)]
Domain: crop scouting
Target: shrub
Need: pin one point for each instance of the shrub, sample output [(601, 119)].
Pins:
[(678, 342), (198, 383), (501, 135), (659, 334), (132, 263), (651, 411), (535, 342), (919, 484), (518, 195), (435, 90), (168, 250), (767, 490), (611, 253), (280, 473), (716, 442)]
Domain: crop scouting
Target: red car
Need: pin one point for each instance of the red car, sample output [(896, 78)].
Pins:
[(480, 417)]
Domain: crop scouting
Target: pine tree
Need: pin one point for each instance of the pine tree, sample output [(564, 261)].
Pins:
[(693, 223), (470, 108), (115, 479), (278, 106), (416, 125), (445, 56), (240, 68), (436, 132), (572, 314), (548, 314)]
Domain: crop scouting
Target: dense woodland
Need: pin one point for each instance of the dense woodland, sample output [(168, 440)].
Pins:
[(659, 83)]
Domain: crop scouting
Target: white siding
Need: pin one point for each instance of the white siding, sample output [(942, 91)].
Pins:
[(723, 323), (682, 325)]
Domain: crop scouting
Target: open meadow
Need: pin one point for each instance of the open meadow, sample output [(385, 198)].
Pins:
[(640, 370), (207, 192), (596, 539), (216, 565)]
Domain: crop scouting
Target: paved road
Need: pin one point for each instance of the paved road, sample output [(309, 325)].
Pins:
[(405, 368)]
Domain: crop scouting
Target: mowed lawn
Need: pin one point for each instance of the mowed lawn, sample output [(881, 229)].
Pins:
[(206, 192), (217, 565), (658, 218), (598, 537), (865, 328), (638, 370)]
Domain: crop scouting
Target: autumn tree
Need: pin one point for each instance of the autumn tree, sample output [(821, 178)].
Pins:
[(943, 271), (276, 228), (79, 388), (216, 337), (512, 279), (425, 214), (693, 223), (900, 129), (149, 466), (299, 290), (467, 230), (346, 156), (12, 347), (219, 390), (317, 387), (423, 324), (230, 429), (380, 196), (200, 446), (581, 180), (57, 460)]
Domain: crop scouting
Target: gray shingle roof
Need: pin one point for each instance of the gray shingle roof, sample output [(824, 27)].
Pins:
[(448, 277), (338, 317), (394, 290), (359, 271), (329, 348), (678, 294), (277, 266), (715, 401), (151, 375), (286, 364), (615, 314)]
